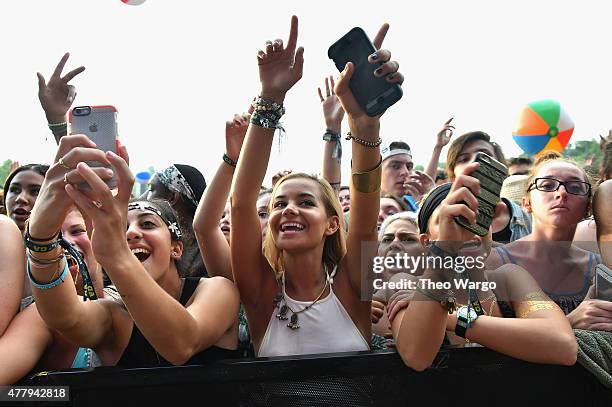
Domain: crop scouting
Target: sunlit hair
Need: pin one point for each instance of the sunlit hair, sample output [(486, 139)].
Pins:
[(335, 245), (552, 156), (457, 146), (171, 216)]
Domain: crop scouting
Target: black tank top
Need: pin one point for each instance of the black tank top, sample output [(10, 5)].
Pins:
[(140, 353)]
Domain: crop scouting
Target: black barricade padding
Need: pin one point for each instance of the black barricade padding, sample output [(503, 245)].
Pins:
[(472, 376)]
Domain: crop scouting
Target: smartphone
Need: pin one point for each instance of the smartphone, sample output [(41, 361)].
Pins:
[(603, 283), (491, 175), (99, 123), (374, 94)]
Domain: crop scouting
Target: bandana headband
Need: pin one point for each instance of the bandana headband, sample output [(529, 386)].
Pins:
[(172, 178), (175, 230)]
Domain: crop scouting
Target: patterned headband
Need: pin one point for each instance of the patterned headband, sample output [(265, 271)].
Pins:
[(174, 228), (172, 178)]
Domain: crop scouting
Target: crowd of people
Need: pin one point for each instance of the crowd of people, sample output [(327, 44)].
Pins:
[(190, 273)]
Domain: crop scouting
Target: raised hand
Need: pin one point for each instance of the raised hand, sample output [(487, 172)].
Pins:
[(279, 67), (53, 204), (389, 70), (235, 130), (418, 184), (445, 134), (108, 212), (56, 96), (332, 108), (460, 201)]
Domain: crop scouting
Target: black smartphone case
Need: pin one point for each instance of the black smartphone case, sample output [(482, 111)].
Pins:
[(491, 175), (374, 94)]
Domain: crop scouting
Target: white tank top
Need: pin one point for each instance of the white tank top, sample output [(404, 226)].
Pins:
[(325, 327)]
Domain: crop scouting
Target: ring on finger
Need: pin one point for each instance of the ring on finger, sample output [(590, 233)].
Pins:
[(63, 164), (66, 178), (98, 204)]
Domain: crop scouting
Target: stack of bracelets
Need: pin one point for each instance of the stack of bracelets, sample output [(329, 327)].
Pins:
[(59, 130), (35, 246), (267, 114)]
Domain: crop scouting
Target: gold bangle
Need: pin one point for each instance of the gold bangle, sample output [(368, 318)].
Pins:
[(368, 181)]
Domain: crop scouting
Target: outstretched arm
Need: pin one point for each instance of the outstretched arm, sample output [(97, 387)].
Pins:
[(85, 323), (365, 197), (176, 332), (280, 67), (213, 245), (443, 139), (333, 114)]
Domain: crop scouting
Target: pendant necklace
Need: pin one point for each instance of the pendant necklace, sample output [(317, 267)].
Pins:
[(283, 309)]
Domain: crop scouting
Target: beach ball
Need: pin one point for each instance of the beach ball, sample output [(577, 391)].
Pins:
[(543, 125), (133, 2)]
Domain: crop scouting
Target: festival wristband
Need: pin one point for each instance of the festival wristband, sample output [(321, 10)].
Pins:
[(51, 284)]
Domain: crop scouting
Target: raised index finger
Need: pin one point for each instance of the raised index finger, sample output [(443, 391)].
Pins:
[(60, 66), (380, 37), (293, 34), (449, 120)]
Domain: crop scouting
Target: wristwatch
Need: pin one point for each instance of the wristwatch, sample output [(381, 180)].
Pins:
[(464, 320)]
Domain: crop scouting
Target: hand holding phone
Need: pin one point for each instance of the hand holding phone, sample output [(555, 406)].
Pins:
[(491, 174), (99, 123), (374, 81)]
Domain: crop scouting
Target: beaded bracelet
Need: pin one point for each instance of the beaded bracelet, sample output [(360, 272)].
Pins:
[(229, 161), (364, 143), (267, 113), (50, 284), (58, 129), (55, 125)]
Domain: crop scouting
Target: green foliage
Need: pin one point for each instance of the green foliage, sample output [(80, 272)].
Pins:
[(419, 167), (4, 171), (580, 151)]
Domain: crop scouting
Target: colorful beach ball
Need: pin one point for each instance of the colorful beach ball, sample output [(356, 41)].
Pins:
[(543, 125), (133, 2)]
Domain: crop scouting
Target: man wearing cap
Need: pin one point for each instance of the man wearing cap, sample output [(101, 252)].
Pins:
[(396, 168)]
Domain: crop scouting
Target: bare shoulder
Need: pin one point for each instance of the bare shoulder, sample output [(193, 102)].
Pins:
[(216, 286), (8, 227), (511, 279)]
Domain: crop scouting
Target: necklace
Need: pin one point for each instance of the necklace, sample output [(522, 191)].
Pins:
[(281, 297)]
